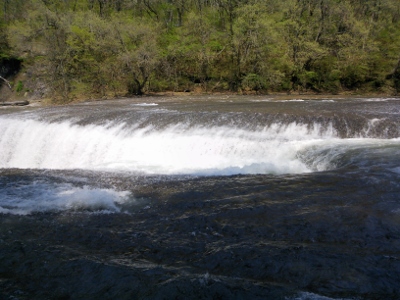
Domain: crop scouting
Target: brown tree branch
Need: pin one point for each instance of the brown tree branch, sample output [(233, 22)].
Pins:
[(7, 82)]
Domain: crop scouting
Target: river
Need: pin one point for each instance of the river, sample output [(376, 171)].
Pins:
[(201, 197)]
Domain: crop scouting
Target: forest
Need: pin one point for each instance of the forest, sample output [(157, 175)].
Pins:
[(81, 49)]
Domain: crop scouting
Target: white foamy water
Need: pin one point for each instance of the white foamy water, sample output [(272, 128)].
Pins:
[(145, 104), (396, 170), (292, 100), (379, 99), (39, 196), (176, 149), (180, 148)]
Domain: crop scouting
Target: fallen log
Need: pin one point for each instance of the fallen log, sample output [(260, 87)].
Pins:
[(14, 103)]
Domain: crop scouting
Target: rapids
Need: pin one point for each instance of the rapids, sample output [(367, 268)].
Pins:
[(204, 197)]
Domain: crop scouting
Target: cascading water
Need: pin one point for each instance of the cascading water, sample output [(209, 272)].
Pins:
[(175, 149), (270, 198), (156, 142)]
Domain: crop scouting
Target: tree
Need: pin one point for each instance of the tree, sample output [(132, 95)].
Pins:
[(97, 47), (94, 46), (140, 56)]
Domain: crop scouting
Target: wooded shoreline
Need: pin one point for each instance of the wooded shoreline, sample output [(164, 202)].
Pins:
[(88, 49)]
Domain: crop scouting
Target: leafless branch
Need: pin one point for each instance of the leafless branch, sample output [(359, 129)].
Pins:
[(7, 82)]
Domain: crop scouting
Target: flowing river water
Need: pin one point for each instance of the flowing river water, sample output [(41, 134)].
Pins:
[(220, 197)]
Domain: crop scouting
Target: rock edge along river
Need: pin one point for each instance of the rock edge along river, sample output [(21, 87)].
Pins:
[(201, 198)]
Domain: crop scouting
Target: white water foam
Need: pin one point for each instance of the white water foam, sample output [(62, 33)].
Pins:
[(176, 149), (292, 100), (262, 100), (43, 197), (145, 104), (379, 99), (396, 170)]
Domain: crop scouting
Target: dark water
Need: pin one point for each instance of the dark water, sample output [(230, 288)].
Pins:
[(201, 198)]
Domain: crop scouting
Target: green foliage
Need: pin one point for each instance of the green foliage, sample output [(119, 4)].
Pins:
[(253, 82), (19, 87), (4, 46), (98, 48)]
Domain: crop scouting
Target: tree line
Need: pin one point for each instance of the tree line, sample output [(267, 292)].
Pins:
[(97, 48)]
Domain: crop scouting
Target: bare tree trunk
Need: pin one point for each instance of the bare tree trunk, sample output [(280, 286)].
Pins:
[(150, 9), (91, 4), (396, 78), (5, 10), (180, 14), (7, 82)]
